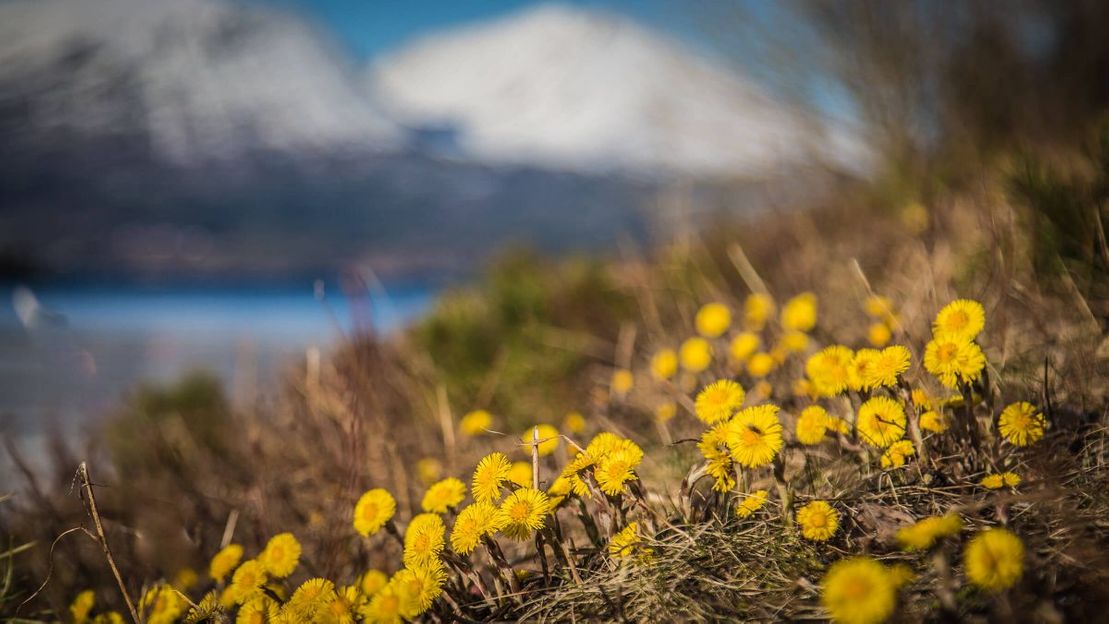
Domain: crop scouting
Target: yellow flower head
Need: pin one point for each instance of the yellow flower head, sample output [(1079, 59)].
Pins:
[(371, 582), (491, 472), (281, 555), (878, 334), (953, 359), (429, 470), (760, 365), (812, 424), (858, 590), (859, 370), (996, 481), (574, 423), (695, 354), (443, 495), (751, 503), (475, 522), (549, 439), (615, 469), (927, 532), (1020, 424), (476, 422), (525, 511), (81, 606), (897, 454), (625, 542), (520, 473), (743, 346), (962, 319), (418, 587), (756, 309), (994, 559), (795, 341), (664, 364), (374, 509), (622, 381), (247, 580), (718, 401), (310, 598), (666, 411), (880, 421), (887, 367), (384, 607), (754, 435), (878, 307), (565, 485), (713, 319), (828, 370), (185, 578), (799, 313), (818, 520), (713, 445), (225, 561), (424, 539), (935, 422), (162, 604)]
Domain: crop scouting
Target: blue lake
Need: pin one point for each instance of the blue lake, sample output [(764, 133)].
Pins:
[(96, 343)]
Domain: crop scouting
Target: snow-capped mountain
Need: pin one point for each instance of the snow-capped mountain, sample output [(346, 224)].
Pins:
[(578, 89), (196, 78)]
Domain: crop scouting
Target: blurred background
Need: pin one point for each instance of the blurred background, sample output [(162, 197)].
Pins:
[(233, 185)]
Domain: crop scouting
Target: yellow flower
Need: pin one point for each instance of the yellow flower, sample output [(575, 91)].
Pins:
[(281, 555), (718, 401), (444, 495), (371, 582), (418, 587), (185, 578), (878, 334), (799, 313), (925, 533), (897, 454), (475, 522), (308, 599), (520, 473), (695, 354), (951, 360), (476, 422), (565, 485), (81, 606), (424, 539), (858, 370), (760, 365), (374, 509), (713, 445), (615, 469), (549, 439), (934, 422), (247, 580), (622, 381), (827, 370), (887, 367), (996, 481), (962, 319), (666, 411), (664, 364), (743, 346), (428, 470), (754, 435), (625, 542), (901, 575), (225, 561), (574, 423), (491, 472), (257, 611), (713, 319), (757, 308), (525, 511), (795, 341), (751, 503), (878, 307), (162, 604), (818, 520), (385, 606), (858, 590), (994, 559), (1021, 424), (812, 424), (880, 421)]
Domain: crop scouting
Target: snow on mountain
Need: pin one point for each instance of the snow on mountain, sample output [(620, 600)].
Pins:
[(200, 79), (577, 89)]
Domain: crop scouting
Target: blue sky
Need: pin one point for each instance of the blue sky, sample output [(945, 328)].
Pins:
[(369, 27)]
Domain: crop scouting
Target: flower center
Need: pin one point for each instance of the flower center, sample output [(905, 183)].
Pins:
[(818, 521), (947, 352), (958, 320), (750, 436), (856, 589), (520, 511), (369, 512)]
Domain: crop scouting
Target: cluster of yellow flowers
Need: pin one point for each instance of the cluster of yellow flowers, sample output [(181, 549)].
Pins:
[(860, 400)]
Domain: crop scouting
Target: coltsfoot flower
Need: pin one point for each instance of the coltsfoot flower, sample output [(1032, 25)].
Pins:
[(1020, 424), (858, 590), (994, 559), (818, 520)]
